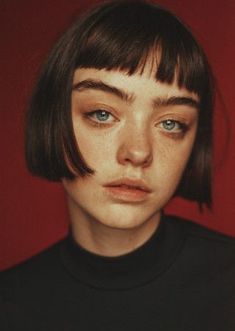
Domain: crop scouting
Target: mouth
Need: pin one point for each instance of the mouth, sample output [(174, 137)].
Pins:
[(128, 190)]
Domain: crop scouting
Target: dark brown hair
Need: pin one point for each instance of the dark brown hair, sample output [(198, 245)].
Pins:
[(118, 35)]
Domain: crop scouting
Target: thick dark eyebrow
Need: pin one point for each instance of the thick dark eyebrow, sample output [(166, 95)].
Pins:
[(101, 86), (176, 101), (158, 102)]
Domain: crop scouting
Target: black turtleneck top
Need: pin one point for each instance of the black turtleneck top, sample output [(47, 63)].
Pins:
[(181, 279)]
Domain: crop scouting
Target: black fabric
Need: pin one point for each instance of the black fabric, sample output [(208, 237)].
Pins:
[(182, 278)]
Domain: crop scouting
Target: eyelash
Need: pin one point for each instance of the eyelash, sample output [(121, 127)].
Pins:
[(182, 127)]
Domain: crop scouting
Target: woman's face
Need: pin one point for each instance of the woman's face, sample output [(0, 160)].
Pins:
[(137, 135)]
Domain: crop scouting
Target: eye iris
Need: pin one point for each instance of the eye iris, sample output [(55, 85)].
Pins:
[(169, 125), (102, 116)]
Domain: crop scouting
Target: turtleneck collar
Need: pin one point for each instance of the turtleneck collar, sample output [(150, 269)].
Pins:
[(131, 270)]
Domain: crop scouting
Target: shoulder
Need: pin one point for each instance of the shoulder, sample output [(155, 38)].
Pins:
[(26, 286), (195, 230), (43, 257), (203, 239), (205, 250), (37, 268)]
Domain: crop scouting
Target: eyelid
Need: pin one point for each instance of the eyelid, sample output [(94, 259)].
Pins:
[(175, 116), (180, 117)]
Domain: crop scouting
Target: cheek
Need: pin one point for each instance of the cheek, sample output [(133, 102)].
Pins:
[(171, 157), (95, 149)]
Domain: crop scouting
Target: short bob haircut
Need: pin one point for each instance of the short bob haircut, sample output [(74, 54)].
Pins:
[(119, 35)]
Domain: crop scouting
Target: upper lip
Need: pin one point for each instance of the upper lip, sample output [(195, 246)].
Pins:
[(132, 183)]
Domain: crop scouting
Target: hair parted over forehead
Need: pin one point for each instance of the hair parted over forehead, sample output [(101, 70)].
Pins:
[(118, 35)]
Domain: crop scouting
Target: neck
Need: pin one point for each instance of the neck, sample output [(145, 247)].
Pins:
[(105, 240)]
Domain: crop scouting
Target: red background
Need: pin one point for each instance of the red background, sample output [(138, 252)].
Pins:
[(33, 211)]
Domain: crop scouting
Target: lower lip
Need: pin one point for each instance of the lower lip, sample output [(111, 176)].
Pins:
[(127, 194)]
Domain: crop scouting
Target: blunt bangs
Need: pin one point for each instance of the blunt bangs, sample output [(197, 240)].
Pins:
[(127, 34), (118, 35)]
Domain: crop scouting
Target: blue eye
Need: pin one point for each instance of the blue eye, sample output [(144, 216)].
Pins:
[(171, 125), (101, 115)]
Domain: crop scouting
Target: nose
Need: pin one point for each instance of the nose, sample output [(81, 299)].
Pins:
[(135, 147)]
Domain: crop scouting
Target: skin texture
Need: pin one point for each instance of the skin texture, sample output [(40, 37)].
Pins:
[(126, 135)]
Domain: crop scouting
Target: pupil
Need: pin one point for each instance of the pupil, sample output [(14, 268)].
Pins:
[(169, 125), (102, 116)]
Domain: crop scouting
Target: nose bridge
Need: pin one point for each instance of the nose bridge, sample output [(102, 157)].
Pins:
[(135, 144)]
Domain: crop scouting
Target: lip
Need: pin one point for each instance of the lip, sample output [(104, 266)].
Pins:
[(129, 190)]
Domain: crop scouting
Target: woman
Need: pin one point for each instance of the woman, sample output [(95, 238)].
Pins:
[(122, 116)]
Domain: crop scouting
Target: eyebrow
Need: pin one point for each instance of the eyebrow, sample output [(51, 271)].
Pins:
[(101, 86), (176, 101), (157, 102)]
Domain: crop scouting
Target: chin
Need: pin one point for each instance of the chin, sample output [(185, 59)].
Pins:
[(125, 219), (122, 225)]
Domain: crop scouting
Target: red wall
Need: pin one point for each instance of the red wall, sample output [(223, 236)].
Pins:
[(33, 211)]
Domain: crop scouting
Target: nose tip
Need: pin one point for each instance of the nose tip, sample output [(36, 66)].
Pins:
[(136, 151)]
